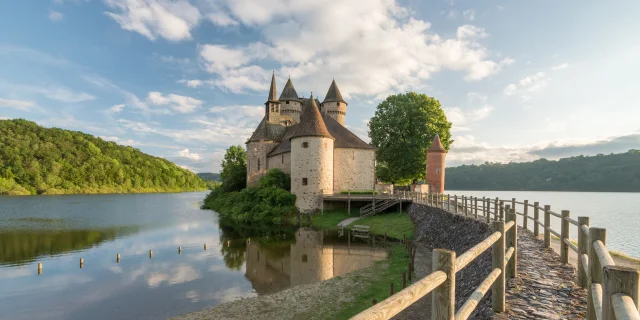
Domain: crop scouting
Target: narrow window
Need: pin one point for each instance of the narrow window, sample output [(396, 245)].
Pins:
[(438, 170), (258, 164), (287, 101), (304, 258), (305, 144), (283, 158), (304, 181)]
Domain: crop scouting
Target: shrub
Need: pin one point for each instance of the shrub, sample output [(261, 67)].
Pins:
[(269, 204), (276, 178)]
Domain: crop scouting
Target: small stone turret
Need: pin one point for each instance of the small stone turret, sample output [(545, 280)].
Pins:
[(311, 159), (333, 103), (289, 102), (272, 106), (435, 166)]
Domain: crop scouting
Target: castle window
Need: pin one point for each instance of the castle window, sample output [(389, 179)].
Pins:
[(305, 144), (304, 258), (287, 101), (258, 164), (304, 181), (283, 158), (438, 170)]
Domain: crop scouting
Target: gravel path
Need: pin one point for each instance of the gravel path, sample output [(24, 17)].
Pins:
[(544, 287)]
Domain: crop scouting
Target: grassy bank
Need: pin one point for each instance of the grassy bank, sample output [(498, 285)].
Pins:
[(394, 224)]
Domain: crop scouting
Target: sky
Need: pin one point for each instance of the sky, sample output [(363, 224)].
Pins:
[(185, 79)]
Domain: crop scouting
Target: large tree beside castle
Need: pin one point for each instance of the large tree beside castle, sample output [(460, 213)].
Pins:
[(402, 129)]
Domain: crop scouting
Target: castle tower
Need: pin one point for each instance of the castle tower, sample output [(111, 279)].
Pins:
[(333, 103), (311, 159), (435, 166), (289, 102), (272, 106)]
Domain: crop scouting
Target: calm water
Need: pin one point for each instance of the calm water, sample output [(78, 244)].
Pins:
[(239, 261), (619, 213)]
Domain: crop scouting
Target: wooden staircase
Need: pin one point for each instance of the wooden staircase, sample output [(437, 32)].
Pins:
[(377, 206)]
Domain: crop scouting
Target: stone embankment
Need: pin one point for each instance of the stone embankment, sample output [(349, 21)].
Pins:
[(543, 289)]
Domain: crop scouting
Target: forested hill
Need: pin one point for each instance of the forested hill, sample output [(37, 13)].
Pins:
[(37, 160), (209, 176), (614, 172)]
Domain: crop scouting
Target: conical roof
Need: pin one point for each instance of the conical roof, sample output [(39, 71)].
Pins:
[(436, 145), (273, 94), (311, 123), (333, 95), (289, 92)]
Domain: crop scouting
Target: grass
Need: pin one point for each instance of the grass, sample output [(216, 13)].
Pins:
[(330, 218), (359, 192), (394, 224), (378, 279)]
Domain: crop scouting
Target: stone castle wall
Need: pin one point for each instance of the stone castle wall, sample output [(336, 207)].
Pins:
[(336, 110), (353, 169), (280, 161), (293, 109), (257, 164), (315, 163)]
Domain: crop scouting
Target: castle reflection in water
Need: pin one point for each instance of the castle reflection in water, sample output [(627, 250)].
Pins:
[(312, 258)]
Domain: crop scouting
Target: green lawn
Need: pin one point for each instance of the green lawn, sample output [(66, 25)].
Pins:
[(330, 218), (394, 224), (378, 280)]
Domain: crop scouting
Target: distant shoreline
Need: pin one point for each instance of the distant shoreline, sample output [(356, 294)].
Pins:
[(555, 191), (101, 193)]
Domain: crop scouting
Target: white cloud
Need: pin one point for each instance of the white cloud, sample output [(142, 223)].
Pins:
[(116, 108), (16, 104), (55, 16), (392, 51), (240, 111), (560, 66), (474, 96), (469, 15), (191, 83), (506, 62), (182, 104), (462, 119), (186, 154), (54, 93), (172, 20), (510, 90), (222, 19)]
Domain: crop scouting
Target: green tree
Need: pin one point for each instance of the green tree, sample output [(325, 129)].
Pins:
[(276, 178), (402, 129), (234, 169)]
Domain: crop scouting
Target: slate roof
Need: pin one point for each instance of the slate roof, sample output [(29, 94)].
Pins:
[(311, 122), (343, 137), (273, 94), (289, 92), (268, 131), (333, 95), (436, 145)]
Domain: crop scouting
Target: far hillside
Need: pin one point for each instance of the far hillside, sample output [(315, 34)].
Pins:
[(614, 172), (210, 176), (38, 160)]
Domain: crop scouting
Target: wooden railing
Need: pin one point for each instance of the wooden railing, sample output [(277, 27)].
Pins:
[(613, 292)]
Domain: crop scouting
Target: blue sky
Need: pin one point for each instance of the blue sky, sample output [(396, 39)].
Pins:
[(185, 79)]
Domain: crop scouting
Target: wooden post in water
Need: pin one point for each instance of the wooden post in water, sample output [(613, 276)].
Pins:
[(595, 268), (564, 233), (118, 258), (547, 226), (536, 219), (583, 246), (443, 297), (497, 261), (150, 253), (179, 250), (39, 268), (205, 246), (525, 212), (81, 263), (619, 280), (512, 242)]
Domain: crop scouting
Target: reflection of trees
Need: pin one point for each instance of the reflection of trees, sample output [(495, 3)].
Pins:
[(233, 240), (24, 246)]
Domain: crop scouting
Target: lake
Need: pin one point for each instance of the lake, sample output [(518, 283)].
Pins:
[(238, 262), (618, 212)]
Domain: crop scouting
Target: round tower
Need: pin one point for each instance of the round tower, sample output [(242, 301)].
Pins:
[(435, 166), (290, 104), (333, 103), (311, 159)]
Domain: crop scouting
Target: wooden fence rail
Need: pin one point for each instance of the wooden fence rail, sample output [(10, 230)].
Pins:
[(613, 292)]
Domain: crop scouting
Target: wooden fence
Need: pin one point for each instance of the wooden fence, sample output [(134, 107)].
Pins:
[(613, 292)]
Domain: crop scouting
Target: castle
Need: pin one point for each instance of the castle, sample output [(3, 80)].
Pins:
[(307, 139)]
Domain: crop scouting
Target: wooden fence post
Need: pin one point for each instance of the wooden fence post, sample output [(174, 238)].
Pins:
[(513, 205), (495, 210), (512, 241), (443, 297), (455, 199), (349, 202), (536, 219), (400, 204), (525, 218), (547, 226), (497, 261), (564, 233), (583, 245), (475, 205), (373, 202), (488, 210), (501, 210), (390, 288), (619, 280), (448, 202), (466, 206), (595, 268)]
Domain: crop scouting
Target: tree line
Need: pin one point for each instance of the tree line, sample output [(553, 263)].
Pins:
[(603, 173), (38, 160)]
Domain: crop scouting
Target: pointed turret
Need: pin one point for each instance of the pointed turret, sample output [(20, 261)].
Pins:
[(273, 94), (436, 145), (333, 95), (311, 123), (289, 92)]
